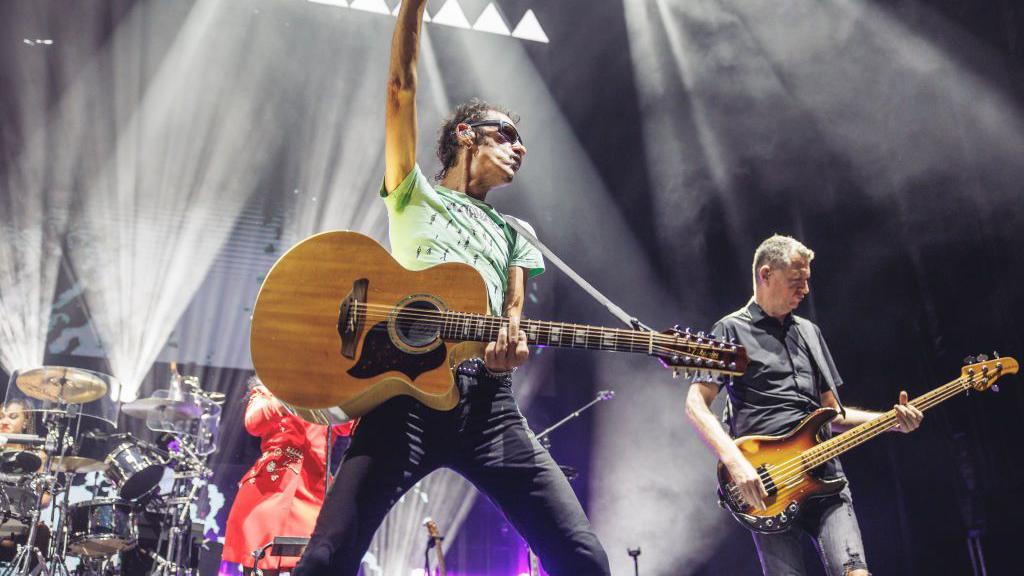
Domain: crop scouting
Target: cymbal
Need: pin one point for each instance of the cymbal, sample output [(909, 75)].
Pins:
[(61, 384), (173, 409)]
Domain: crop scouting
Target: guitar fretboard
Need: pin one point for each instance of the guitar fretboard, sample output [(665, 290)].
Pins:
[(860, 434), (482, 328)]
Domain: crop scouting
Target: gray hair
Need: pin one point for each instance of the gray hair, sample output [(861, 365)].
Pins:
[(778, 252)]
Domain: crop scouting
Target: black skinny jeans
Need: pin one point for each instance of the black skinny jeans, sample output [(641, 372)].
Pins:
[(485, 439)]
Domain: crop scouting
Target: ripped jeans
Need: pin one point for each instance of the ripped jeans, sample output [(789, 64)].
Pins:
[(831, 523)]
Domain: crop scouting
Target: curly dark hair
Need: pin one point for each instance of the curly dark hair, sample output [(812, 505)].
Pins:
[(448, 143)]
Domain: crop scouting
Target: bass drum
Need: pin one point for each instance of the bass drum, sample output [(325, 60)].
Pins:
[(134, 469), (101, 527)]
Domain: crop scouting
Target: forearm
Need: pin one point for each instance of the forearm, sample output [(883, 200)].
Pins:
[(405, 44), (854, 417), (707, 425), (515, 294)]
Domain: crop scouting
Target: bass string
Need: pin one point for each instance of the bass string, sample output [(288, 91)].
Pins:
[(840, 444)]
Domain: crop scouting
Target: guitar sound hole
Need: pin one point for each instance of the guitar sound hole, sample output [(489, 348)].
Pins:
[(417, 324)]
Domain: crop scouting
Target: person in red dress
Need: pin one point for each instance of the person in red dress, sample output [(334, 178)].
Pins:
[(282, 493)]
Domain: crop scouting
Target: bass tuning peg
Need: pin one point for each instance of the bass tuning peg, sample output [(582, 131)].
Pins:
[(970, 360)]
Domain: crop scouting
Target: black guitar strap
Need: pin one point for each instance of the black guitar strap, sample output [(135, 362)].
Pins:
[(814, 345)]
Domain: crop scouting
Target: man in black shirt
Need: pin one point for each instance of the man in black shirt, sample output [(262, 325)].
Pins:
[(791, 374)]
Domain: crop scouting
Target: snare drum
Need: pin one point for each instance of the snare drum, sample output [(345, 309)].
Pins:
[(133, 469), (101, 527)]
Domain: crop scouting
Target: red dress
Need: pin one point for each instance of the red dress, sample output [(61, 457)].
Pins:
[(282, 493)]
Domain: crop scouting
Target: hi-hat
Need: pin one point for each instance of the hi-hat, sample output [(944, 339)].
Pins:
[(167, 408), (61, 384)]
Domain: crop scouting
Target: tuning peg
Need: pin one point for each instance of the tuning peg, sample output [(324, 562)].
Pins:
[(970, 360), (700, 334), (995, 387), (675, 359), (982, 357), (995, 354)]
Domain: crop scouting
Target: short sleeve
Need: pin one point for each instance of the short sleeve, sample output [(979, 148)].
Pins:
[(526, 255), (409, 191)]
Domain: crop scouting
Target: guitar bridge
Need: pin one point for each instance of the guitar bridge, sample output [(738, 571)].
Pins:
[(351, 319)]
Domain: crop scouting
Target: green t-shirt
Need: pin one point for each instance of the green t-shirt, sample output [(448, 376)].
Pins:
[(431, 224)]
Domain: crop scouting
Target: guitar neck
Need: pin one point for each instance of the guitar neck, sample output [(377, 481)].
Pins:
[(860, 434), (483, 328)]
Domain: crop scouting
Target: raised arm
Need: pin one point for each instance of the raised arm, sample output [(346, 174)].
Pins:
[(400, 107)]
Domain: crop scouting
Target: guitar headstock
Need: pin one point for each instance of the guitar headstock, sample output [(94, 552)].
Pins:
[(432, 528), (982, 373), (687, 353)]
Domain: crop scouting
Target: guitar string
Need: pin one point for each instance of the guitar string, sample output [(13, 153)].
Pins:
[(948, 391), (498, 321), (828, 450), (801, 464), (444, 322)]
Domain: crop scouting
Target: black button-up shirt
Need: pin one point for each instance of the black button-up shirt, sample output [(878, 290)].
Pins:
[(783, 383)]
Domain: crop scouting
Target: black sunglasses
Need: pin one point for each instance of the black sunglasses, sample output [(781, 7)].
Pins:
[(507, 130)]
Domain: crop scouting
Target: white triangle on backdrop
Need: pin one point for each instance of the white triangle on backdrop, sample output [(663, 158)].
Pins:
[(338, 3), (398, 7), (529, 29), (376, 6), (491, 21), (451, 14)]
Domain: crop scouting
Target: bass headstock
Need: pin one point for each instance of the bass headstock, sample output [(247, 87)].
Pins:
[(981, 373), (689, 353)]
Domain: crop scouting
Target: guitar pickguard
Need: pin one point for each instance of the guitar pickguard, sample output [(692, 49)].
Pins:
[(380, 355)]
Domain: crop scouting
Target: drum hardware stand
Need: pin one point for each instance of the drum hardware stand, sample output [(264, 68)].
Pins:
[(177, 540), (22, 562)]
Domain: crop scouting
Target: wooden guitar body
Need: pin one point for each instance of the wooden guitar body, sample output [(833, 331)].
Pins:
[(767, 454), (304, 346)]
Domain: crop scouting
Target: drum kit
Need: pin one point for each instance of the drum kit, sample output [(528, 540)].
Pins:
[(136, 518)]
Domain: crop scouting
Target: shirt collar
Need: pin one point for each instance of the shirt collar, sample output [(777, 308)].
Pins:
[(757, 314)]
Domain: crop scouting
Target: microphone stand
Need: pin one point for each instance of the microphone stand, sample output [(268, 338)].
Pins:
[(601, 396)]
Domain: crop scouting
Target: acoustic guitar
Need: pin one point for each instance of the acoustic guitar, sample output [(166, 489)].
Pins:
[(339, 327), (784, 462)]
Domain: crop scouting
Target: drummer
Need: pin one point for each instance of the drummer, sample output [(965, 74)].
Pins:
[(15, 418)]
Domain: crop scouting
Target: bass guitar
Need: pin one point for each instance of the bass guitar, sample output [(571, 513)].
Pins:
[(339, 327), (784, 462)]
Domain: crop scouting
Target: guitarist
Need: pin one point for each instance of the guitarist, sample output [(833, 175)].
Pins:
[(791, 374), (484, 438)]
